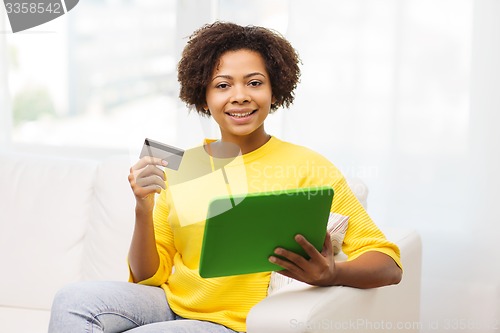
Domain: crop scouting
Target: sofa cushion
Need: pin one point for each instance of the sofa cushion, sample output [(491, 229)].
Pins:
[(24, 320), (112, 223), (41, 239)]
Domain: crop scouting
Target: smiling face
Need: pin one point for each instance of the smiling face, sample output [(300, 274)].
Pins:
[(239, 97)]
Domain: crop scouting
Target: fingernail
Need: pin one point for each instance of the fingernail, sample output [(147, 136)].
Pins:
[(164, 163), (272, 259)]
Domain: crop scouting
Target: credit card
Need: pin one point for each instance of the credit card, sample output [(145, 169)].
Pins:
[(168, 153)]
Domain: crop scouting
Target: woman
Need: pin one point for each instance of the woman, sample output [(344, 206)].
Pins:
[(237, 75)]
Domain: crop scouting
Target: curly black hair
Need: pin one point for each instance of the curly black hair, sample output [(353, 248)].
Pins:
[(207, 44)]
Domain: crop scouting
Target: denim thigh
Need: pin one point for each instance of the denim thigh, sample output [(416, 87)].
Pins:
[(107, 306)]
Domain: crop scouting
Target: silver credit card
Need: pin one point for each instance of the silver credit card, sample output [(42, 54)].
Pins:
[(168, 153)]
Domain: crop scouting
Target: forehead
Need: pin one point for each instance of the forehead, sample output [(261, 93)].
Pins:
[(240, 61)]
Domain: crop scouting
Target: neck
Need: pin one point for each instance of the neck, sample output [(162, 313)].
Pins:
[(248, 143)]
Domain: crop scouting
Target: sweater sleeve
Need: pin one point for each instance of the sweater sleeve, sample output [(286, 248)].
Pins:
[(164, 242), (362, 234)]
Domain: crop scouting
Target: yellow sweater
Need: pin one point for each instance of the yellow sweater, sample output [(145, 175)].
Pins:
[(179, 220)]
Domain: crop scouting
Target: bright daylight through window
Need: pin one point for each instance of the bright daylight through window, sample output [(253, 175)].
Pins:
[(95, 82)]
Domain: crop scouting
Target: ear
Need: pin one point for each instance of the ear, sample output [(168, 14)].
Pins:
[(206, 110), (273, 100), (273, 104)]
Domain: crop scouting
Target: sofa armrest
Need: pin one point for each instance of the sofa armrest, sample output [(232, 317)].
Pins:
[(299, 307)]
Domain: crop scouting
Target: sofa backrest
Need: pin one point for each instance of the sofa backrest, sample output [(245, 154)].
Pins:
[(45, 210)]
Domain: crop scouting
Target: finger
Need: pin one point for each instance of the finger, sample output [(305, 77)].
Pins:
[(143, 192), (327, 245), (296, 274), (149, 160), (292, 257), (151, 170), (287, 273), (287, 265), (308, 247), (151, 180)]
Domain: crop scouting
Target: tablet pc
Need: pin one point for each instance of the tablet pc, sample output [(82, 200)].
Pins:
[(241, 239)]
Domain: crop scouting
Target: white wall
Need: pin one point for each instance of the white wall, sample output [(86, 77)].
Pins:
[(483, 178)]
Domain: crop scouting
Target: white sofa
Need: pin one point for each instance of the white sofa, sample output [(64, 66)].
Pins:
[(67, 219)]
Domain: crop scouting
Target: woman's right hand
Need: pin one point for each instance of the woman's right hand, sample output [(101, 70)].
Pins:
[(146, 179)]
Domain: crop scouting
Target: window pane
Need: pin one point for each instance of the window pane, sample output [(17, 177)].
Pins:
[(102, 75)]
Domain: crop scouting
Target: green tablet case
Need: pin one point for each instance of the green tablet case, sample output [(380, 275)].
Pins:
[(241, 239)]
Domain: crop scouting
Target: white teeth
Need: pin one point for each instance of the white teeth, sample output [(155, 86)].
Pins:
[(240, 115)]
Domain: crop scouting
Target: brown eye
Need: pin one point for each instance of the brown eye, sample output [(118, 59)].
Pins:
[(222, 86), (254, 83)]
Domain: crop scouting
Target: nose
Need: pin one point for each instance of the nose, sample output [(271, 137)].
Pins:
[(240, 95)]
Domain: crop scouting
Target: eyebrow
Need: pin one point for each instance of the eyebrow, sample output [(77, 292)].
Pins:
[(229, 77)]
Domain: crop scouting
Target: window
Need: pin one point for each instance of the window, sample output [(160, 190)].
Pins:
[(103, 75)]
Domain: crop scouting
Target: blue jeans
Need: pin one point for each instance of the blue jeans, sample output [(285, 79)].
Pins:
[(111, 307)]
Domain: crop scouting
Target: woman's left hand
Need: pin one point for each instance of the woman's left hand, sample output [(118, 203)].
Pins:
[(318, 270)]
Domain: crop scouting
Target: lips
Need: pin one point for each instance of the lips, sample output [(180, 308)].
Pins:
[(240, 114)]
